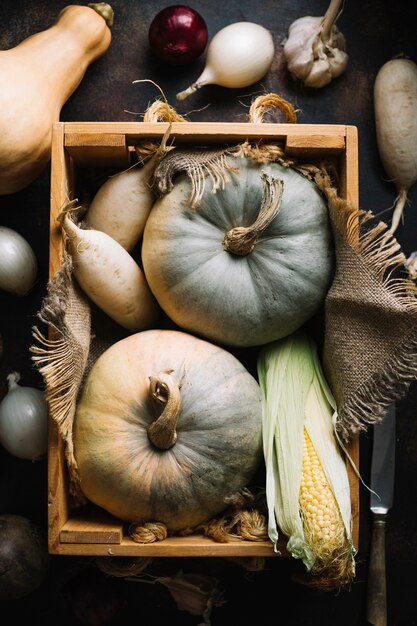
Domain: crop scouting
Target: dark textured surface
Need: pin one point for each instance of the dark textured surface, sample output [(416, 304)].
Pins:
[(375, 31)]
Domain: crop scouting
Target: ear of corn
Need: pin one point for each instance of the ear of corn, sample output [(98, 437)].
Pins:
[(307, 487)]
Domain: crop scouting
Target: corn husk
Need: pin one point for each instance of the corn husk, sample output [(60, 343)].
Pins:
[(295, 397)]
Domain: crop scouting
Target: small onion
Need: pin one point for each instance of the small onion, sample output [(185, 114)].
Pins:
[(238, 56), (178, 35), (18, 264), (23, 420)]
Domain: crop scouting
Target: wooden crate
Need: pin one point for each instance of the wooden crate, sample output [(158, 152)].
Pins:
[(91, 531)]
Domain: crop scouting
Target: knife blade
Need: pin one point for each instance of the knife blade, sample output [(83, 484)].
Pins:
[(381, 501)]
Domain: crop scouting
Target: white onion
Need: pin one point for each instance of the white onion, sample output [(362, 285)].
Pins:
[(238, 56), (18, 264), (24, 420)]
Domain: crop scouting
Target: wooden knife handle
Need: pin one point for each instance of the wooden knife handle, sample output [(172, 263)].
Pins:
[(376, 608)]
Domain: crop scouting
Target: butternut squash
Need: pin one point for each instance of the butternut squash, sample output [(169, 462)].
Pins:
[(36, 79)]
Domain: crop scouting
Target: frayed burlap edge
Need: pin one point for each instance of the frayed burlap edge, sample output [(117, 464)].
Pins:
[(61, 357), (202, 164), (199, 166), (370, 402), (381, 255)]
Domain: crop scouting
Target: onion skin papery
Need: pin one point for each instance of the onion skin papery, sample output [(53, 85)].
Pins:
[(141, 461), (178, 35)]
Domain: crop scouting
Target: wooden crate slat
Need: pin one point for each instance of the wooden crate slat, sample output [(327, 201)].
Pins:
[(303, 145), (97, 149), (58, 507), (91, 530), (61, 175), (350, 187), (193, 546), (196, 132), (353, 450)]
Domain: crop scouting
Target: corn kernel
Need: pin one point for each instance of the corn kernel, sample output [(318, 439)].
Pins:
[(318, 506)]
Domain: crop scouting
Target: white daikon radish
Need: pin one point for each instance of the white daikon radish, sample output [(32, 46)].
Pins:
[(395, 104), (122, 204), (110, 276)]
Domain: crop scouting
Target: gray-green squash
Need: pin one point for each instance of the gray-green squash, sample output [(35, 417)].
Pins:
[(251, 264), (168, 425)]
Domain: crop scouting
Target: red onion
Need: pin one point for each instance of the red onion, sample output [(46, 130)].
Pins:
[(178, 35)]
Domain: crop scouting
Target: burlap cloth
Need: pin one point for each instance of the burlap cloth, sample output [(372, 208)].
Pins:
[(370, 322), (370, 345)]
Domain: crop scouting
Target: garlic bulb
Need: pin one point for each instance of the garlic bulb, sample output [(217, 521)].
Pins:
[(18, 264), (23, 420), (315, 48), (238, 56)]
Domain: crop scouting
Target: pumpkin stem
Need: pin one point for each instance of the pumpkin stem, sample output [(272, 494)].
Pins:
[(242, 239), (165, 390)]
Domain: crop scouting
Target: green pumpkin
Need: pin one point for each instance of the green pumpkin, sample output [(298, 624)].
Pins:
[(238, 299), (167, 427)]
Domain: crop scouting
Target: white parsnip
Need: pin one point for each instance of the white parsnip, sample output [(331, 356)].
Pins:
[(122, 204), (395, 104), (110, 276)]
